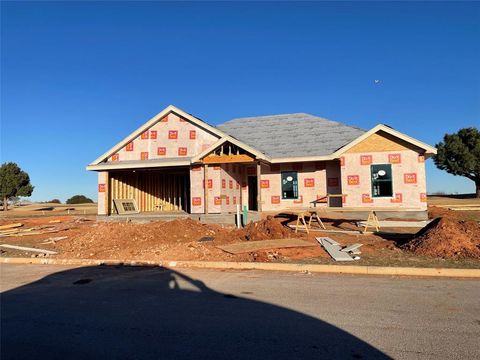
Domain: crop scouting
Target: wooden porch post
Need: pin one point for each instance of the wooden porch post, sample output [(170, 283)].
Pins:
[(205, 187), (240, 196), (259, 188)]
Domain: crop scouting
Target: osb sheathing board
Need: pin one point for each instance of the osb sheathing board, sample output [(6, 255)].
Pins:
[(382, 141), (223, 186), (408, 172), (171, 137)]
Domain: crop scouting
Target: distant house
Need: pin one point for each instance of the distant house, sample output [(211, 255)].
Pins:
[(177, 162)]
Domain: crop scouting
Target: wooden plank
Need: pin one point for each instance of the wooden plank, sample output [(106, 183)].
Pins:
[(23, 248), (476, 208), (250, 246), (457, 205), (223, 159), (10, 226)]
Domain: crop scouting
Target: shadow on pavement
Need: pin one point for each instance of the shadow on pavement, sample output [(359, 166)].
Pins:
[(156, 313)]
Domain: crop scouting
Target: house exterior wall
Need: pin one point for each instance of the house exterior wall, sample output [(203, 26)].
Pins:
[(197, 199), (227, 184), (408, 172), (230, 180), (223, 186), (171, 137), (312, 184), (102, 193)]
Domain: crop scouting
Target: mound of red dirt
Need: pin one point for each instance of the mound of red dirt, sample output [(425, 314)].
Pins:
[(448, 238), (268, 228), (183, 239)]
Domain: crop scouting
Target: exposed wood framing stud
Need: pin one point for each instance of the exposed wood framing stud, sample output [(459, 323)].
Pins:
[(228, 153), (153, 190)]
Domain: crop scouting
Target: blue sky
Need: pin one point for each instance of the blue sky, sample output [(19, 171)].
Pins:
[(78, 77)]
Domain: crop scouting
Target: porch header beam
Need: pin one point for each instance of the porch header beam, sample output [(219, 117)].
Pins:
[(221, 159)]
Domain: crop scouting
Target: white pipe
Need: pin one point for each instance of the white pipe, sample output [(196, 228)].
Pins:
[(238, 216)]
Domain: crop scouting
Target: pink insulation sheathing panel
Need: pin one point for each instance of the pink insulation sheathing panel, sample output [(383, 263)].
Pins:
[(408, 180), (102, 191), (223, 187), (230, 177), (312, 183), (171, 137)]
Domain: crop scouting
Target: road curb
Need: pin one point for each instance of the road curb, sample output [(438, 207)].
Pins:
[(314, 268)]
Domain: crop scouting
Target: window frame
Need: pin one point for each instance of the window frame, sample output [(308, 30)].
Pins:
[(295, 189), (372, 182)]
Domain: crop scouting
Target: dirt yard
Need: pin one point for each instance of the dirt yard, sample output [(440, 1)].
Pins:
[(449, 241)]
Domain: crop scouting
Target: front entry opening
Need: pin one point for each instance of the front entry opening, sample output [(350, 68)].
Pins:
[(252, 193)]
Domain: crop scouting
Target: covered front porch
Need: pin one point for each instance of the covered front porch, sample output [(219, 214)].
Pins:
[(154, 191)]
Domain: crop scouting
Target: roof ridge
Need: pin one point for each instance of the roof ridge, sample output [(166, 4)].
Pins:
[(289, 114)]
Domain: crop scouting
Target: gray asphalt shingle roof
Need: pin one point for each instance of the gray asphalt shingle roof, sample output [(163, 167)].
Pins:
[(291, 135)]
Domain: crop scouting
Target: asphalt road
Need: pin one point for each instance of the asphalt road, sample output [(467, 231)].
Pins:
[(53, 312)]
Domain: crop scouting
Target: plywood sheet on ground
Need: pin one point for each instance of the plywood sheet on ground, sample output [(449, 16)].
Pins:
[(249, 246)]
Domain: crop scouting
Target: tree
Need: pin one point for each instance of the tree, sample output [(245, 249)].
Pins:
[(459, 154), (79, 199), (13, 183), (55, 201)]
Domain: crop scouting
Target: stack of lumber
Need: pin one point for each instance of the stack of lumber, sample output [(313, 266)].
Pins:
[(17, 229)]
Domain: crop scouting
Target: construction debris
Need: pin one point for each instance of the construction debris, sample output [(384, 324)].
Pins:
[(10, 226), (335, 250), (29, 231), (354, 249), (460, 206), (24, 248), (466, 208), (251, 246), (54, 239)]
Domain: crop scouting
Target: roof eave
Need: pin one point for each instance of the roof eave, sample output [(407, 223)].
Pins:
[(140, 165), (300, 159)]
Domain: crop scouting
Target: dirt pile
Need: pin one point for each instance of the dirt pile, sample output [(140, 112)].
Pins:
[(448, 238), (183, 239), (435, 212), (268, 228), (175, 231)]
